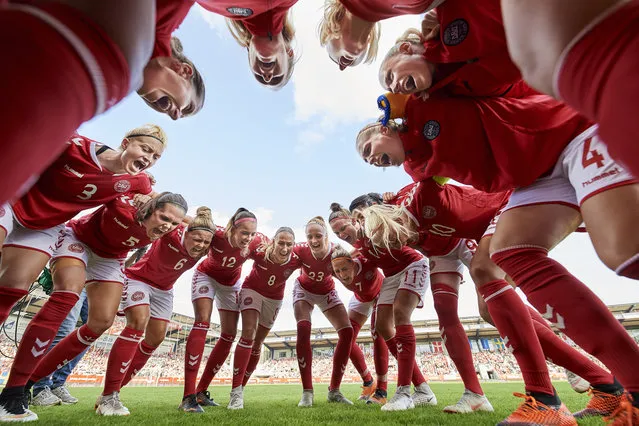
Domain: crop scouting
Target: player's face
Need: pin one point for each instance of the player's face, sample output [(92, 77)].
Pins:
[(140, 153), (283, 246), (345, 228), (349, 49), (243, 234), (269, 59), (383, 149), (344, 270), (316, 238), (407, 72), (163, 220), (197, 242), (167, 87)]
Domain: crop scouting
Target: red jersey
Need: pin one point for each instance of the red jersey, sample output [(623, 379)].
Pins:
[(377, 10), (224, 262), (169, 14), (368, 281), (166, 260), (112, 230), (493, 144), (391, 263), (261, 18), (72, 183), (450, 210), (317, 274), (268, 278)]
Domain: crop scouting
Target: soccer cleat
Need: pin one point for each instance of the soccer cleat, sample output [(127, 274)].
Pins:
[(534, 413), (423, 395), (307, 399), (367, 391), (189, 405), (400, 401), (379, 397), (97, 402), (45, 398), (577, 383), (625, 415), (205, 400), (12, 409), (237, 399), (600, 404), (335, 395), (110, 405), (470, 402), (65, 396)]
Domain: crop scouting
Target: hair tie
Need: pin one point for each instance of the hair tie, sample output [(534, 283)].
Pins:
[(342, 257), (244, 219), (148, 136), (200, 228)]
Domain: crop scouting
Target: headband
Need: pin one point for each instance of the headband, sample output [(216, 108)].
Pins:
[(316, 222), (200, 228), (339, 215), (148, 136), (244, 219), (342, 257)]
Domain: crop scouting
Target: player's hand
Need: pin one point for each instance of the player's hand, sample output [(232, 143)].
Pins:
[(388, 196), (140, 199), (430, 26), (151, 178)]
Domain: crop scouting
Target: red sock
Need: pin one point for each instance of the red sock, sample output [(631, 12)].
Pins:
[(8, 298), (305, 353), (142, 355), (454, 336), (630, 268), (340, 356), (241, 360), (193, 355), (120, 358), (380, 358), (357, 356), (574, 309), (598, 78), (417, 376), (68, 348), (36, 92), (39, 334), (216, 360), (562, 354), (253, 361), (516, 328)]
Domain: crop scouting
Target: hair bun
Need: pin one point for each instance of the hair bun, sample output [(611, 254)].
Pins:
[(203, 211), (335, 207)]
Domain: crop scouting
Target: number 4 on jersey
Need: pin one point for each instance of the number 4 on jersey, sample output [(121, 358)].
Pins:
[(591, 156)]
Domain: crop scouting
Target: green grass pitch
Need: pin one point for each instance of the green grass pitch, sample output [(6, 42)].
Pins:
[(277, 404)]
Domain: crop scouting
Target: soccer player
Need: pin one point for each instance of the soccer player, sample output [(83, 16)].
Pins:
[(260, 301), (217, 277), (148, 303), (315, 286), (92, 252)]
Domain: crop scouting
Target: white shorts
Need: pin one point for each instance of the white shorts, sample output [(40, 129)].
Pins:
[(43, 240), (454, 261), (137, 293), (323, 301), (414, 278), (268, 308), (492, 225), (364, 308), (98, 268), (583, 169), (226, 297)]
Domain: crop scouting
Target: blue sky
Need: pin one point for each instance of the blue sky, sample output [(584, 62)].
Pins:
[(287, 155)]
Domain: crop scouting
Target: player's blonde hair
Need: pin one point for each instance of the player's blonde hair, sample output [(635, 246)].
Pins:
[(371, 130), (203, 221), (150, 130), (412, 36), (243, 37), (330, 27), (384, 224)]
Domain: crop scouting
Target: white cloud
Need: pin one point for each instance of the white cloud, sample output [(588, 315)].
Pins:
[(216, 22), (308, 139)]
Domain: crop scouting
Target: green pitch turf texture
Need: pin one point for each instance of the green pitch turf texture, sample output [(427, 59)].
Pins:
[(277, 404)]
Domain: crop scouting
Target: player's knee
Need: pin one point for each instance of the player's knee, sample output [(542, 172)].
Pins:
[(154, 340), (401, 315), (138, 322), (484, 314), (483, 270), (16, 278), (99, 323)]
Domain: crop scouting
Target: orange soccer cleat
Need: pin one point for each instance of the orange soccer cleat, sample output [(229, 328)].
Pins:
[(625, 415), (368, 391), (601, 404), (534, 413)]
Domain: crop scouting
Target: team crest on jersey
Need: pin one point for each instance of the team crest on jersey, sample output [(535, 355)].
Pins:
[(248, 300), (369, 275), (2, 211), (429, 212), (239, 11), (455, 32), (203, 289), (122, 186), (137, 296), (76, 248), (431, 129)]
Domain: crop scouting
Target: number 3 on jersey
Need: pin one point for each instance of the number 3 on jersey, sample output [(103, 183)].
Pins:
[(89, 190), (591, 156)]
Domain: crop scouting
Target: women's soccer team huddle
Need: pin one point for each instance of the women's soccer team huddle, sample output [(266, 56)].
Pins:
[(529, 104)]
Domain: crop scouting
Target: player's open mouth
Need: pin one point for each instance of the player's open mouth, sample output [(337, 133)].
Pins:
[(139, 165), (409, 84), (384, 160)]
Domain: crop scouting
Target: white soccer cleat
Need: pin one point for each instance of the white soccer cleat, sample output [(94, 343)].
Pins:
[(110, 405), (307, 399), (336, 396), (470, 402), (424, 395), (13, 410), (577, 383), (65, 396), (237, 399), (45, 398), (401, 401)]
